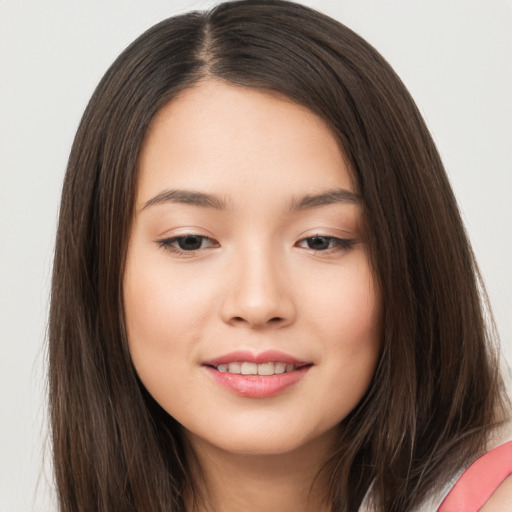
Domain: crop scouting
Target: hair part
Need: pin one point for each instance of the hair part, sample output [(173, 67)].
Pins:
[(435, 392)]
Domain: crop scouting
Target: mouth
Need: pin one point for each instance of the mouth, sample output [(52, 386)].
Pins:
[(248, 368), (257, 376)]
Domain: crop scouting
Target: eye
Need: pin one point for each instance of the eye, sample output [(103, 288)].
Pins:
[(187, 243), (325, 243)]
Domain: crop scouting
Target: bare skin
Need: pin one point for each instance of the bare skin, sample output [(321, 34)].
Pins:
[(501, 498), (248, 236), (271, 483)]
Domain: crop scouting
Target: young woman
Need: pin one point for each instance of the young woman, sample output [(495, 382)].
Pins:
[(263, 295)]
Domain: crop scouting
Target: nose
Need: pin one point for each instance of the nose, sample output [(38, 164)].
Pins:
[(259, 295)]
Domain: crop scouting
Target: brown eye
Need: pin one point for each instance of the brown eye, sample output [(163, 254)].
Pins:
[(187, 243), (322, 243), (319, 243), (190, 242)]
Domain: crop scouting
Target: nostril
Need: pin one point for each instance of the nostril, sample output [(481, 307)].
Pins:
[(273, 320)]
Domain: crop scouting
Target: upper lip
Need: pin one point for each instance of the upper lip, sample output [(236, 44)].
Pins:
[(269, 356)]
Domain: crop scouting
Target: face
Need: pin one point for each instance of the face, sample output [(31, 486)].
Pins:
[(251, 310)]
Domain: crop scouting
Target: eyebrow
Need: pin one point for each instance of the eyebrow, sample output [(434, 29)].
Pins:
[(187, 197), (329, 197), (204, 200)]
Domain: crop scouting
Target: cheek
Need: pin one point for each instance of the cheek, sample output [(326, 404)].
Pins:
[(346, 306), (348, 316), (163, 322), (164, 313)]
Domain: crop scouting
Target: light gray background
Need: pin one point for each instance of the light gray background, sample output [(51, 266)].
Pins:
[(454, 55)]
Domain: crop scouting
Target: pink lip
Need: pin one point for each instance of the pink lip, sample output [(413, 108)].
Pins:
[(269, 356), (256, 386)]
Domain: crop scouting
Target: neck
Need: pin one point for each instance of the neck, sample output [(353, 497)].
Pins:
[(288, 482)]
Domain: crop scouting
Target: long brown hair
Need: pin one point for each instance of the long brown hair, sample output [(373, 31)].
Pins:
[(434, 395)]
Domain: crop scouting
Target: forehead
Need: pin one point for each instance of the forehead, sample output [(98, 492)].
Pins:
[(222, 136)]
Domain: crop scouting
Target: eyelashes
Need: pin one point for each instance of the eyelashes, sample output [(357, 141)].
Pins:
[(188, 245), (325, 243)]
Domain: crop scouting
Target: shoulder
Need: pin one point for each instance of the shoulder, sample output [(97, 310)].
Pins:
[(486, 483), (501, 498)]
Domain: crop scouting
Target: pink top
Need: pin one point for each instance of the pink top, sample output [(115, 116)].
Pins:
[(479, 481)]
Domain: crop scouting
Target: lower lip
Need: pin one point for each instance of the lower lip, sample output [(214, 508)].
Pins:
[(258, 386)]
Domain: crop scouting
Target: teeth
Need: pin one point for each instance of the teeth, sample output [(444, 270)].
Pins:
[(245, 368), (234, 368), (279, 367), (266, 369), (249, 369)]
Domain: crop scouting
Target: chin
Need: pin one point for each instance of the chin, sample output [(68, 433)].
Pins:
[(264, 441)]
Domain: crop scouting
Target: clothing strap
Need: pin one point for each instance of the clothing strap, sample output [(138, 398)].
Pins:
[(479, 481)]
